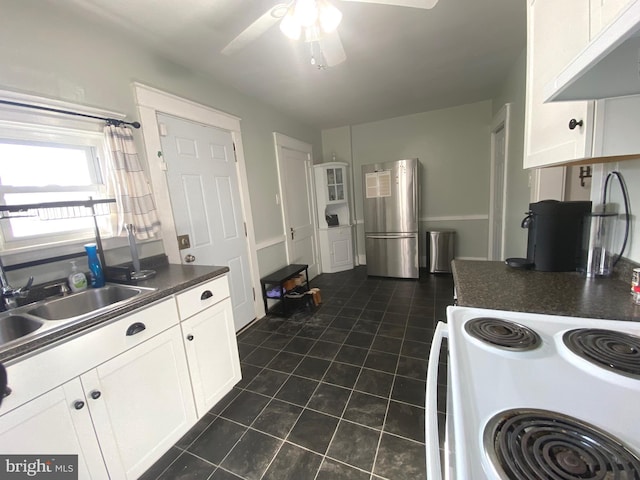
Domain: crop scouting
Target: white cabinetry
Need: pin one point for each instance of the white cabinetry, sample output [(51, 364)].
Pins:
[(210, 342), (141, 403), (603, 12), (334, 218), (56, 423), (339, 250), (121, 395), (549, 138)]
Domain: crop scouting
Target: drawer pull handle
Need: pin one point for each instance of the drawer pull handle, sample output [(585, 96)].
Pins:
[(206, 294), (7, 391), (135, 328), (95, 394), (78, 404), (573, 123), (190, 337)]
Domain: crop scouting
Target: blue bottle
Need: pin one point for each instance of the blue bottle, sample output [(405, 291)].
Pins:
[(95, 269)]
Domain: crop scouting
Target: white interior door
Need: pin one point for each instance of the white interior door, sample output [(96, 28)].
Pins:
[(296, 185), (499, 162), (498, 204), (205, 199)]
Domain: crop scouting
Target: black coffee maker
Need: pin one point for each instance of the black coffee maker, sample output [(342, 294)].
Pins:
[(557, 239)]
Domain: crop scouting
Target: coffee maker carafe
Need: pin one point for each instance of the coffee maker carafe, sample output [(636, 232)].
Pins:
[(556, 239)]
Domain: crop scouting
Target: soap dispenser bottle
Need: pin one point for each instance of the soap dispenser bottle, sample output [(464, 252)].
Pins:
[(95, 269), (77, 279)]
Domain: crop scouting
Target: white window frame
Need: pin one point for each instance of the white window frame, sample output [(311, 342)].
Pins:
[(32, 125), (93, 149)]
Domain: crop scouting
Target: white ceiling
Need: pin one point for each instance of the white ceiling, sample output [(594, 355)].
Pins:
[(399, 60)]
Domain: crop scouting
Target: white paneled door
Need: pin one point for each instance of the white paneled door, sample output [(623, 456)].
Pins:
[(296, 184), (205, 199)]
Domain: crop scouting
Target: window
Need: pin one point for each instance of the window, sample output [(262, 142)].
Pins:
[(64, 168)]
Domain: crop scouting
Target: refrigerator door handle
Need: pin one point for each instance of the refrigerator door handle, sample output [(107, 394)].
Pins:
[(385, 237)]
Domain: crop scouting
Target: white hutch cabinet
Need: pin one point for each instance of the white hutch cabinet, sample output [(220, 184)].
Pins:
[(334, 218)]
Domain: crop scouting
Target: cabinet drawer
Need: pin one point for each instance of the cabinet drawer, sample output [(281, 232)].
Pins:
[(43, 371), (202, 296)]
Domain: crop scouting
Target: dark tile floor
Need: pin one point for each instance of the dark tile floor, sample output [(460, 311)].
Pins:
[(334, 392)]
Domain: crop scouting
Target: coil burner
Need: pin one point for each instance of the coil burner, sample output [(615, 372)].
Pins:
[(503, 334), (539, 444), (617, 352)]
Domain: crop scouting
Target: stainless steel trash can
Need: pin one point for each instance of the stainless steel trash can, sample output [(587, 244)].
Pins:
[(440, 250)]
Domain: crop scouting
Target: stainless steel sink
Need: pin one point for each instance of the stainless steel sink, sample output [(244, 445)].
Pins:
[(87, 302), (13, 327)]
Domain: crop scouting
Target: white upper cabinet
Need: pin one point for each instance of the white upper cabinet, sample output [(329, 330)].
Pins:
[(555, 133), (608, 65), (603, 12)]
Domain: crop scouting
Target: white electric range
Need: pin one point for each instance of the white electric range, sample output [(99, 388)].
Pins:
[(533, 397)]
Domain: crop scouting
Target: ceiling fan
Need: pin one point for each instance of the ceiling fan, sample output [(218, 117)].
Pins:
[(314, 20)]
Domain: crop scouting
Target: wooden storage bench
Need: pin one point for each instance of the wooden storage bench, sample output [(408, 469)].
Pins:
[(279, 278)]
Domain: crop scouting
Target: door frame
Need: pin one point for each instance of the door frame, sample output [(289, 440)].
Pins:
[(499, 122), (281, 141), (151, 101)]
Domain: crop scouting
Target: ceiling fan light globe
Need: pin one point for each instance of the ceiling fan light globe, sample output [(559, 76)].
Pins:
[(290, 26), (329, 16), (306, 12)]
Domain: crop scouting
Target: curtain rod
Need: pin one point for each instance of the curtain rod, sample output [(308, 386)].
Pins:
[(110, 121)]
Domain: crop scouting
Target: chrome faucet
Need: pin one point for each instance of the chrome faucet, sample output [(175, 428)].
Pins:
[(9, 294)]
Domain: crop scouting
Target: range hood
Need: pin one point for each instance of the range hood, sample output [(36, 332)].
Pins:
[(608, 67)]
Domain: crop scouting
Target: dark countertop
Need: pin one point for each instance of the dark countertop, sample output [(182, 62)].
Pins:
[(494, 285), (169, 279)]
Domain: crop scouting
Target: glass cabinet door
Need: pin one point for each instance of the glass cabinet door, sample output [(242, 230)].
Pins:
[(335, 184)]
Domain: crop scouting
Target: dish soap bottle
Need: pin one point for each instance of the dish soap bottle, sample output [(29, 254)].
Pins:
[(95, 269), (77, 279)]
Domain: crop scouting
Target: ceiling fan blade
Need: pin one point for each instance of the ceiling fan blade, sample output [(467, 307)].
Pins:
[(256, 29), (402, 3), (332, 49)]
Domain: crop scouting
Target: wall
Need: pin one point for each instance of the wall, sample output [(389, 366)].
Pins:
[(47, 53), (453, 146)]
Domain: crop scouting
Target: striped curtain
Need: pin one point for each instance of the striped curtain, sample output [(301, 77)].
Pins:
[(129, 185)]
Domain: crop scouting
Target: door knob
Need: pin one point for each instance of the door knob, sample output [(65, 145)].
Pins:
[(291, 228), (78, 404), (189, 258), (95, 394)]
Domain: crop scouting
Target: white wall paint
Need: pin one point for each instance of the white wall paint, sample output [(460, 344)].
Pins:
[(56, 55)]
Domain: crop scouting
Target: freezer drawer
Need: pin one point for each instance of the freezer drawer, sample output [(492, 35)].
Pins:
[(392, 255)]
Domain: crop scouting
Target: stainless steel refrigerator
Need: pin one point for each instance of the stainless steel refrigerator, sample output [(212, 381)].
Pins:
[(391, 197)]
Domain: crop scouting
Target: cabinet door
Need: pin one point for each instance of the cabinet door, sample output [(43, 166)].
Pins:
[(603, 12), (340, 247), (335, 184), (551, 43), (212, 353), (141, 403), (55, 424)]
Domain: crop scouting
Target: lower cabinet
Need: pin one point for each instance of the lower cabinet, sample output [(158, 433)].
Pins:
[(209, 336), (57, 423), (119, 397), (212, 353), (336, 249), (140, 403), (132, 408)]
